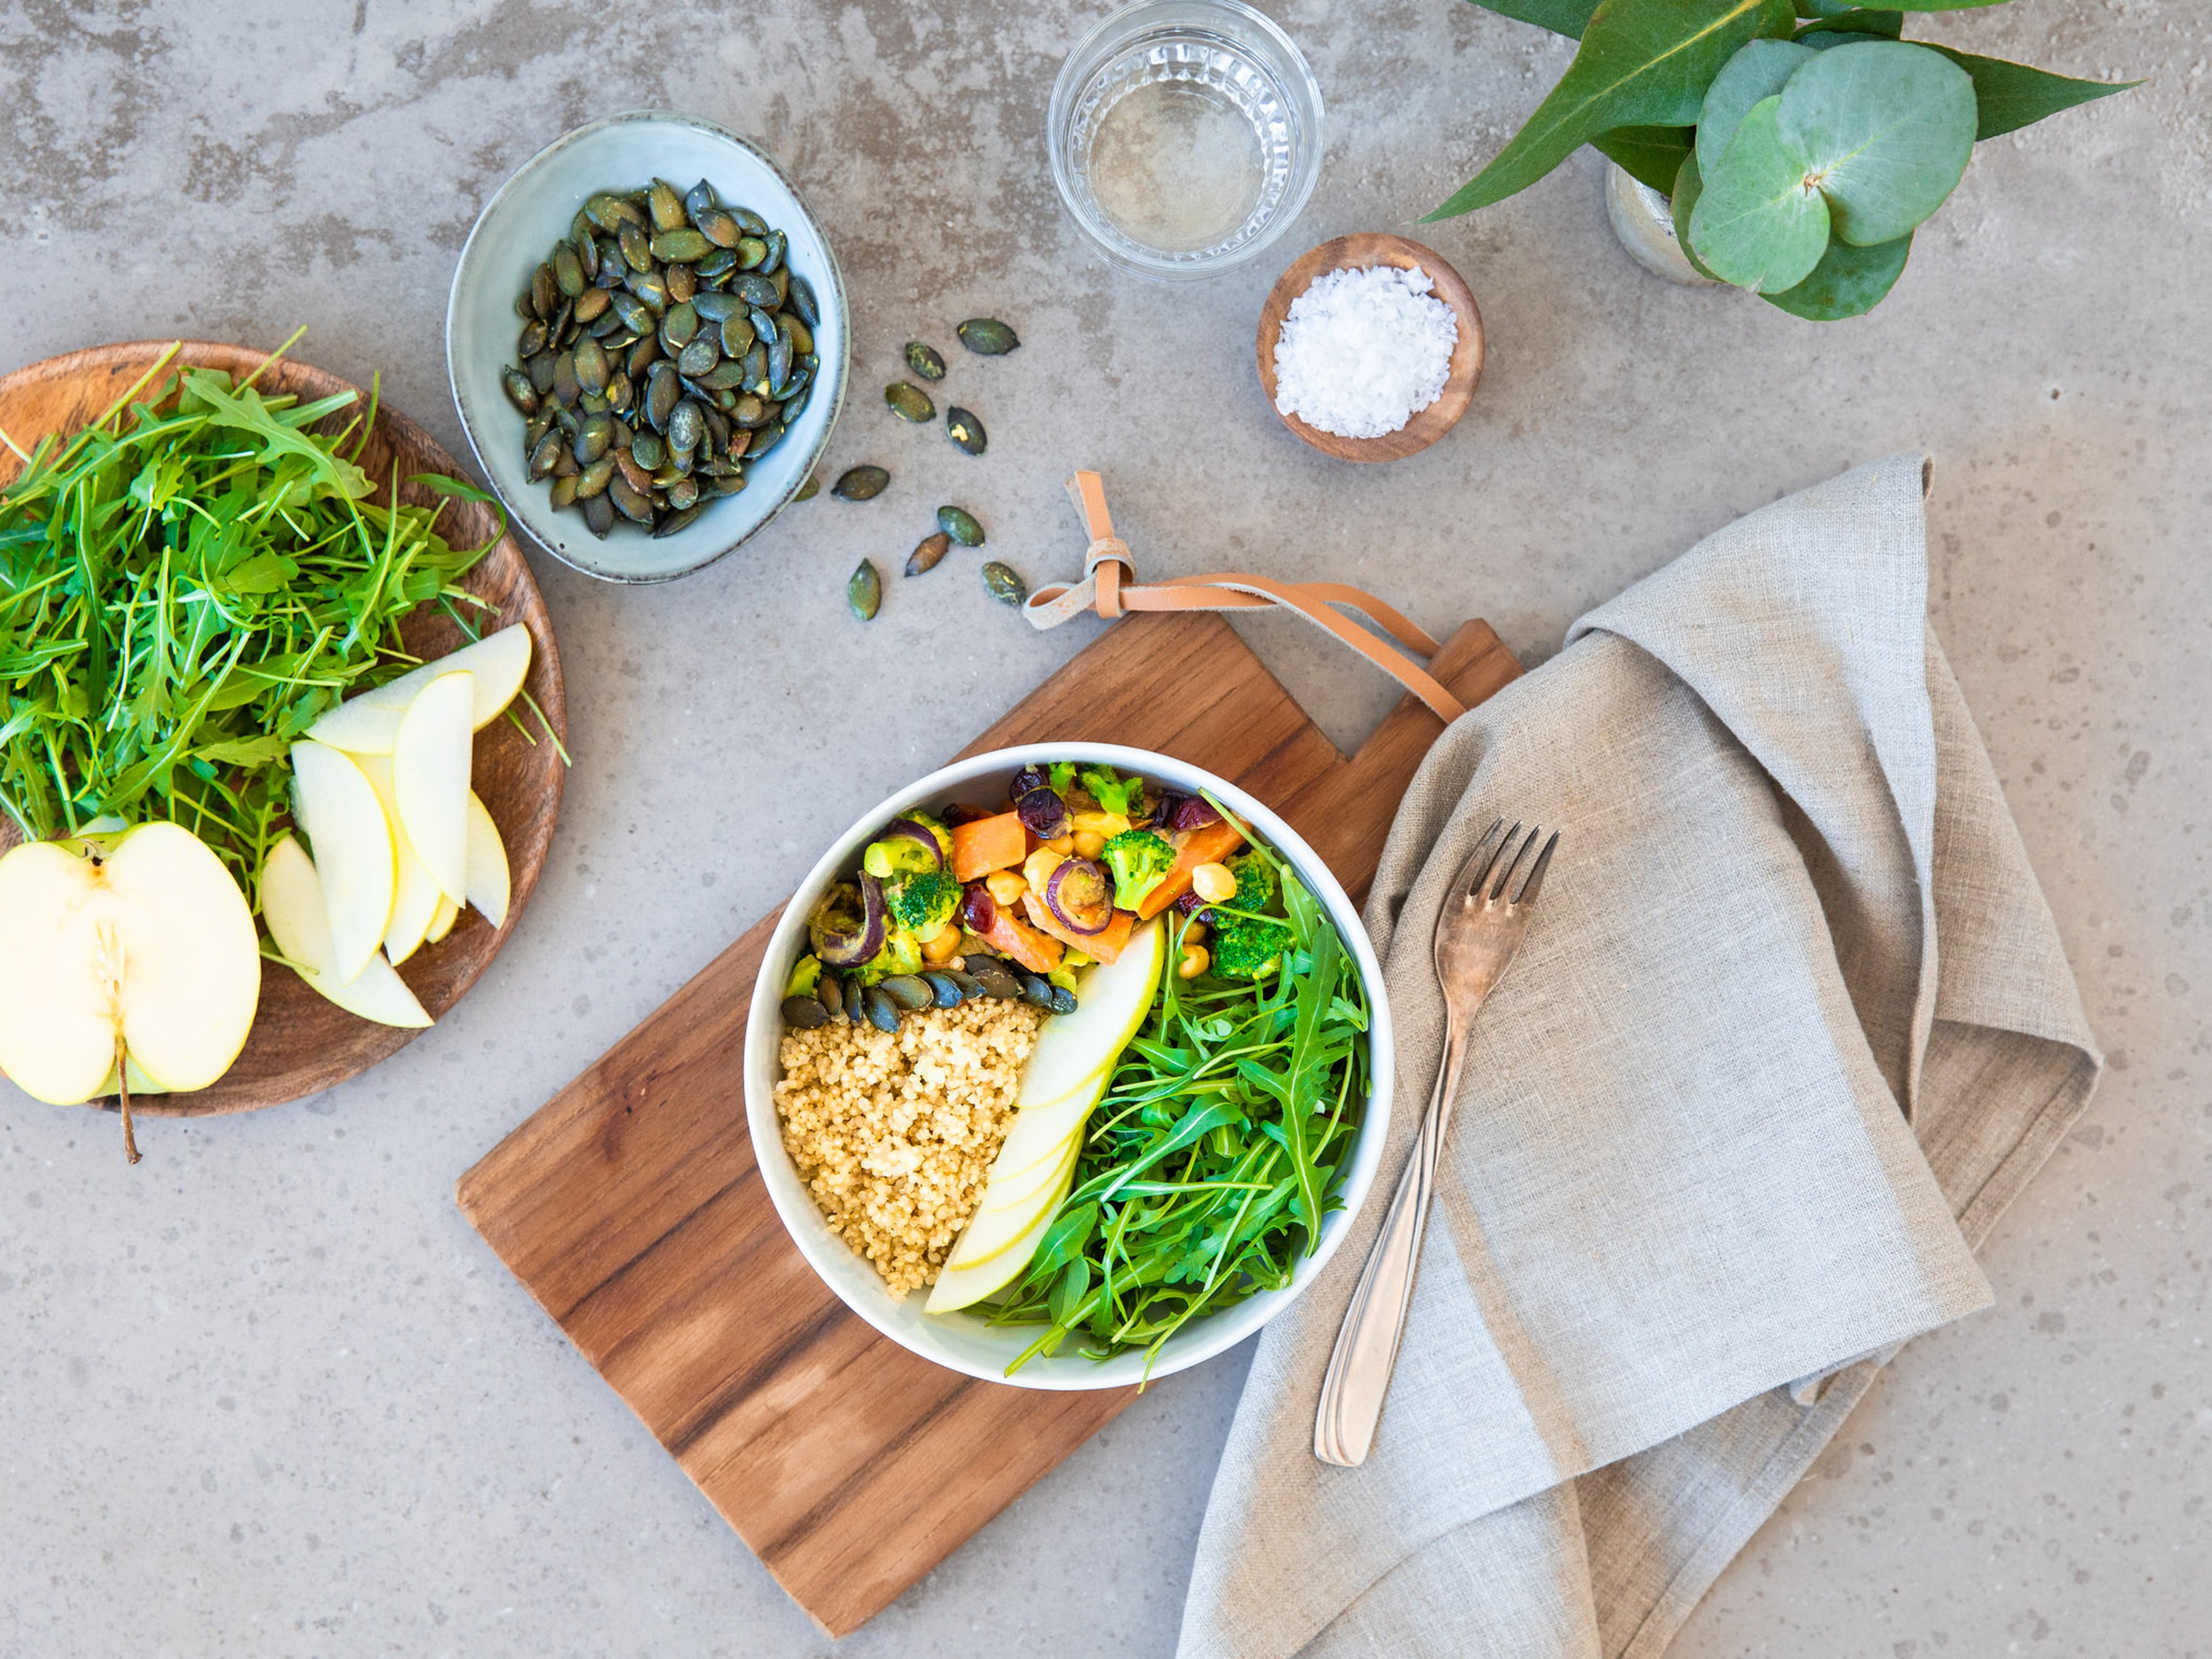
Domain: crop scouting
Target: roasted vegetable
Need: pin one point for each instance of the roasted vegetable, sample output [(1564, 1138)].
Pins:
[(1140, 861)]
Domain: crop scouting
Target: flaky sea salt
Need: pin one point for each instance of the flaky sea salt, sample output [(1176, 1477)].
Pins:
[(1363, 351)]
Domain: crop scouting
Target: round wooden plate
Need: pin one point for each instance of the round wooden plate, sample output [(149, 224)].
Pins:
[(301, 1043), (1375, 248)]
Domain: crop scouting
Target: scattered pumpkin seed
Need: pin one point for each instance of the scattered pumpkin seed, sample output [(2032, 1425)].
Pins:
[(1003, 584), (910, 402), (665, 345), (965, 431), (924, 361), (960, 524), (927, 552), (864, 592), (811, 489), (860, 484), (986, 336)]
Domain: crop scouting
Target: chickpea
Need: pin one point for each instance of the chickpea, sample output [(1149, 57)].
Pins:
[(943, 945), (1214, 883), (1088, 843), (1062, 845), (1194, 963), (1006, 886)]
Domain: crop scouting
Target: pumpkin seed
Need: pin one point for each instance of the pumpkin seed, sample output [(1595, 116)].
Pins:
[(649, 286), (592, 304), (593, 439), (531, 340), (986, 336), (927, 552), (716, 265), (1001, 582), (699, 199), (699, 356), (563, 493), (924, 361), (670, 523), (678, 326), (565, 385), (714, 306), (864, 592), (910, 402), (811, 489), (799, 295), (860, 484), (665, 206), (960, 524), (632, 504), (591, 370), (543, 458), (755, 291), (751, 222), (636, 246), (568, 271), (687, 425), (600, 516), (738, 333), (610, 212), (595, 477), (679, 246), (965, 430), (647, 451), (683, 282), (544, 296), (718, 228), (519, 391)]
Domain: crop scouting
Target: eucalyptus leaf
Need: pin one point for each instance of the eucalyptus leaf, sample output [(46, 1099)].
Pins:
[(1643, 63), (1849, 282), (1884, 129), (1847, 26), (1689, 184), (1651, 156), (1759, 69), (1757, 223), (2010, 96), (1567, 17)]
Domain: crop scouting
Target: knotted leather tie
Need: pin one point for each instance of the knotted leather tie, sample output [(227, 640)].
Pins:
[(1109, 586)]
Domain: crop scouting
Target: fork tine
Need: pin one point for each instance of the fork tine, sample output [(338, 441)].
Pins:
[(1505, 875), (1482, 876), (1536, 882), (1465, 881)]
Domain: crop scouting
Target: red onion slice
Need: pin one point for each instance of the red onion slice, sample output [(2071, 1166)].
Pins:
[(1069, 909), (835, 939), (907, 829)]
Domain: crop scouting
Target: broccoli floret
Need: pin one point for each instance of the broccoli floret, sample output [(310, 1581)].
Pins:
[(1113, 792), (1140, 861), (805, 977), (1244, 949), (923, 903), (902, 954), (1255, 882), (1060, 775)]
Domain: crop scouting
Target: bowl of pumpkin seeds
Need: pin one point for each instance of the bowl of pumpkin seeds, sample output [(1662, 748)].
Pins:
[(647, 345)]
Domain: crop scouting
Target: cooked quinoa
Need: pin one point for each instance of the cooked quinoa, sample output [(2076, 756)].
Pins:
[(894, 1132)]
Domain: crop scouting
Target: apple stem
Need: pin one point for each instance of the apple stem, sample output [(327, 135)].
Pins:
[(123, 1089)]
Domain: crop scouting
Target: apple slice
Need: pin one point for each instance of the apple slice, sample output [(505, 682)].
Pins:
[(142, 959), (430, 779), (369, 723), (292, 904), (487, 881), (963, 1285), (443, 923), (337, 806), (414, 895)]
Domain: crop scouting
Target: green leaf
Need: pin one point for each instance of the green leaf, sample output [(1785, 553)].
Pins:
[(1652, 155), (1849, 282), (1682, 200), (1885, 130), (2013, 95), (1567, 17), (1759, 69), (1757, 223), (1643, 63), (1846, 25)]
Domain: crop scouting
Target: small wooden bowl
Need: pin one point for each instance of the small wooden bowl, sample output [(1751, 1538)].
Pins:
[(1374, 248), (301, 1043)]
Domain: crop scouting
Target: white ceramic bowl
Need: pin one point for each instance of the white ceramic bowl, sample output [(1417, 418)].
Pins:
[(517, 229), (963, 1341)]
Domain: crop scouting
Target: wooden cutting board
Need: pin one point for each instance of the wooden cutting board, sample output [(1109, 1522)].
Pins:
[(631, 1208)]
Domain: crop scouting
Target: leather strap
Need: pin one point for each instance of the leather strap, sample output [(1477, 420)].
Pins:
[(1109, 586)]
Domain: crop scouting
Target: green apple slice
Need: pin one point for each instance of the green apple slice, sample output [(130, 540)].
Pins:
[(430, 764), (415, 895), (337, 806), (369, 723), (443, 923), (487, 879), (292, 904), (963, 1285), (142, 957)]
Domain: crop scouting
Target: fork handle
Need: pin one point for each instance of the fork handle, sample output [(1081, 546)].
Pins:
[(1358, 1377)]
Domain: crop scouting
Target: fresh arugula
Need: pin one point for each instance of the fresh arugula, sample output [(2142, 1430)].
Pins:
[(185, 586), (1216, 1150)]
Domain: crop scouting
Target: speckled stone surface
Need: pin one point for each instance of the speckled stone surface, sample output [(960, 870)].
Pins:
[(267, 1394)]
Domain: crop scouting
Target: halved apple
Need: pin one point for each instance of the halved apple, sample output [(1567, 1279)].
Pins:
[(293, 905), (488, 881), (369, 723), (414, 895), (1065, 1076), (430, 767), (138, 956), (337, 806)]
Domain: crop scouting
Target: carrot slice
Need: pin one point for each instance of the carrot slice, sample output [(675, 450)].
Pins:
[(1100, 947), (1207, 844), (988, 844), (1010, 936)]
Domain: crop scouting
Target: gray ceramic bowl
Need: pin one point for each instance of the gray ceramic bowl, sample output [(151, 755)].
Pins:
[(518, 228)]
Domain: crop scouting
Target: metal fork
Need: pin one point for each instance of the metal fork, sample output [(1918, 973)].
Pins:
[(1477, 930)]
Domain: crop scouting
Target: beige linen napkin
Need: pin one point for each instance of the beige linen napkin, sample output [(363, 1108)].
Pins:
[(1791, 1027)]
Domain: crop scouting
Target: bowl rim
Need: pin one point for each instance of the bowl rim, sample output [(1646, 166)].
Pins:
[(802, 1220), (465, 268)]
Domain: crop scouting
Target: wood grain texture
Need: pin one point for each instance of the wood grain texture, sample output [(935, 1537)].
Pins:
[(301, 1043), (1372, 248), (631, 1208)]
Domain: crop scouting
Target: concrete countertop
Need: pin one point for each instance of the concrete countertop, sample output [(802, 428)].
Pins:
[(267, 1392)]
